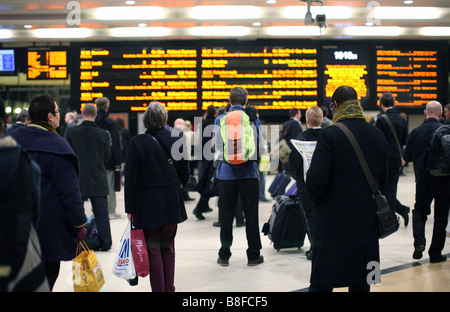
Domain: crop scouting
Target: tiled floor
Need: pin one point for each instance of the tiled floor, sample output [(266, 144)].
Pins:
[(197, 244)]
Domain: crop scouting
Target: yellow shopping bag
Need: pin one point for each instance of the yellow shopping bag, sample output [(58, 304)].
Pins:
[(86, 270)]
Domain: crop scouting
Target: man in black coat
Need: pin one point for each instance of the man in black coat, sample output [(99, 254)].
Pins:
[(92, 145), (428, 187), (345, 229), (105, 122), (396, 139), (291, 129), (314, 119)]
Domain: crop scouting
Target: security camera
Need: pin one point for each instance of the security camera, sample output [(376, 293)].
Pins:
[(321, 20), (309, 19)]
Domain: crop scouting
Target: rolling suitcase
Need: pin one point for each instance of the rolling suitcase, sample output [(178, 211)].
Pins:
[(279, 184), (285, 227)]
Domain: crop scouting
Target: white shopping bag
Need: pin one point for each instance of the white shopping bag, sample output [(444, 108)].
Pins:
[(124, 265)]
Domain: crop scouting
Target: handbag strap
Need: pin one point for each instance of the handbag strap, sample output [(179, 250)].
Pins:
[(394, 133), (169, 160), (370, 180), (81, 246)]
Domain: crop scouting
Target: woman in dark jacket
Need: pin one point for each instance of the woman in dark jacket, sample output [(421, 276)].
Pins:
[(153, 197)]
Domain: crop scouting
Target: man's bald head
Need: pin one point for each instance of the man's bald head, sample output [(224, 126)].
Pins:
[(433, 110)]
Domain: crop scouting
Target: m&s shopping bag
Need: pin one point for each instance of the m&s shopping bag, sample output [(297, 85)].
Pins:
[(140, 253), (86, 270)]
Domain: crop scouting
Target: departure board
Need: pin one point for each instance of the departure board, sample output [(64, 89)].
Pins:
[(409, 73), (46, 63), (346, 65), (188, 76), (276, 78), (192, 78), (132, 77)]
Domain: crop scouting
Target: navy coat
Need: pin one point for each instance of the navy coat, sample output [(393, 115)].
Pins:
[(152, 193), (345, 228), (61, 204)]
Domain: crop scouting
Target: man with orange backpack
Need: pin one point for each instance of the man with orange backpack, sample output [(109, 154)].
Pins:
[(236, 142)]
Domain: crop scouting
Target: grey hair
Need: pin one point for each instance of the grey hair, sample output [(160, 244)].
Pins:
[(155, 117), (90, 110)]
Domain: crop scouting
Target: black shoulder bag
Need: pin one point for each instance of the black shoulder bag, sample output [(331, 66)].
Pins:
[(386, 218)]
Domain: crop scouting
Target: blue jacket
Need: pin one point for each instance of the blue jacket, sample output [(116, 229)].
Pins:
[(61, 205), (225, 171)]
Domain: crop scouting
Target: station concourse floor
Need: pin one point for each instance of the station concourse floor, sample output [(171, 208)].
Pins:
[(197, 243)]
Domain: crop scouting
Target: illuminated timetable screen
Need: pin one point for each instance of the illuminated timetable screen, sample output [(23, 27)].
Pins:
[(275, 77), (188, 76), (132, 77), (346, 65), (46, 63), (411, 74), (193, 77)]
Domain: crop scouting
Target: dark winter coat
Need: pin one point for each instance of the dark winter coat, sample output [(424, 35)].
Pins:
[(61, 204), (401, 128), (206, 167), (416, 150), (291, 129), (345, 228), (152, 193), (93, 148), (105, 122)]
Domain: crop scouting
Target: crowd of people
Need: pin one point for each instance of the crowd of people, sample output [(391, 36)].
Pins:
[(86, 161)]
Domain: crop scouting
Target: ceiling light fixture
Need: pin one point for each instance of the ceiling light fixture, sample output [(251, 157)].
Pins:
[(130, 13), (379, 31), (435, 31), (219, 31), (124, 32), (71, 33), (222, 12), (5, 34), (407, 13), (292, 31)]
